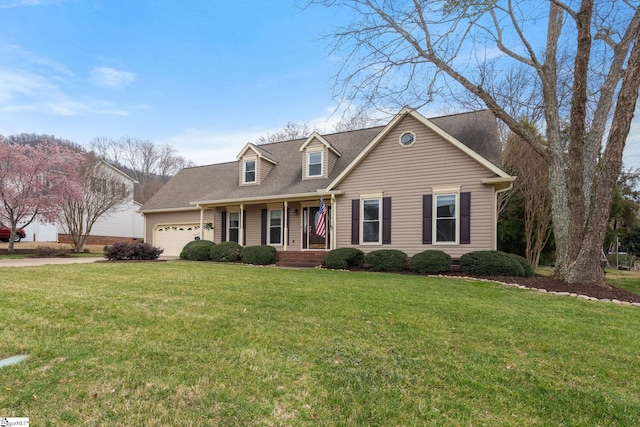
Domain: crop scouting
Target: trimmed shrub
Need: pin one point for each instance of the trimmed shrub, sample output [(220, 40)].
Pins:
[(225, 252), (430, 262), (343, 258), (386, 260), (145, 251), (197, 250), (528, 271), (259, 255), (490, 263), (118, 251), (131, 251)]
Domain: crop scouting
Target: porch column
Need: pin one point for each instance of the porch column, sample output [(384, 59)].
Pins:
[(286, 225), (241, 226), (334, 236), (201, 222)]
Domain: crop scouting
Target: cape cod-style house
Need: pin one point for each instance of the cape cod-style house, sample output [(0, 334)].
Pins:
[(414, 184)]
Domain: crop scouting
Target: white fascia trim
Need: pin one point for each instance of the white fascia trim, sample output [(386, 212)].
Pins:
[(186, 209), (316, 135), (257, 152), (265, 199)]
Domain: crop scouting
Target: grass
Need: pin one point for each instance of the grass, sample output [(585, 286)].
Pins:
[(206, 344)]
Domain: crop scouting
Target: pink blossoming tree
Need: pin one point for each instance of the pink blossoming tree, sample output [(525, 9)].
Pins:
[(36, 181)]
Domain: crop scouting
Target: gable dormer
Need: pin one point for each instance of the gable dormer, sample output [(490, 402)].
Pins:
[(254, 164), (318, 157)]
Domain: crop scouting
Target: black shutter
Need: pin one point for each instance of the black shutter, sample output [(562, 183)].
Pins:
[(223, 233), (263, 228), (355, 221), (244, 227), (465, 218), (427, 227), (386, 220)]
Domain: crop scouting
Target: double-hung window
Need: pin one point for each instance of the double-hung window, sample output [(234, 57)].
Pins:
[(446, 223), (275, 227), (371, 210), (314, 163), (249, 171), (234, 227)]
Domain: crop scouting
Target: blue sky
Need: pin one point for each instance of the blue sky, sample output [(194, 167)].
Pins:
[(205, 76)]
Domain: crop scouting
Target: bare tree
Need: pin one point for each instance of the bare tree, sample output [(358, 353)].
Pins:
[(533, 180), (151, 164), (103, 192), (580, 61), (289, 132)]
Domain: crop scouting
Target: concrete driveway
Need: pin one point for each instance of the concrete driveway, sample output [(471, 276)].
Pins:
[(31, 262)]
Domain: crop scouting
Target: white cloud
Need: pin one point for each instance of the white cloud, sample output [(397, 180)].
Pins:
[(111, 78)]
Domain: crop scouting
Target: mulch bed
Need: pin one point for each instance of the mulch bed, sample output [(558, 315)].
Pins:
[(557, 285)]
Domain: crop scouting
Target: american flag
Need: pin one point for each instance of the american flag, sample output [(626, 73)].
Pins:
[(321, 225)]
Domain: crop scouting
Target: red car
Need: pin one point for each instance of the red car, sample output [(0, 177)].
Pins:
[(5, 233)]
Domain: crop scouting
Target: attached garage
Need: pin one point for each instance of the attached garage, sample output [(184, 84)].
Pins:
[(173, 237)]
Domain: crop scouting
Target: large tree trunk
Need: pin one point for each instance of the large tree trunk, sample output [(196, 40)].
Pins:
[(582, 263)]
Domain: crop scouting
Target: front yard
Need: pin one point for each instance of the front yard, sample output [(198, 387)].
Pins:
[(207, 344)]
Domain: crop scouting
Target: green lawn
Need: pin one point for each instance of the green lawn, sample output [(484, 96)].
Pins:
[(194, 344)]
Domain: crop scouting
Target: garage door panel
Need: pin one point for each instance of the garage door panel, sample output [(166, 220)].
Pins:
[(172, 238)]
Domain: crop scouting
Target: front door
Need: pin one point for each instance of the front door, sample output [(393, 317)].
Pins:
[(311, 219)]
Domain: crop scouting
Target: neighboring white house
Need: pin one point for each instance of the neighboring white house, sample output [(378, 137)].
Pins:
[(122, 224)]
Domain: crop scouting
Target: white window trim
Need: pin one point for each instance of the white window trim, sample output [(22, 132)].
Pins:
[(321, 163), (255, 171), (269, 242), (229, 225), (362, 200), (446, 192), (404, 133)]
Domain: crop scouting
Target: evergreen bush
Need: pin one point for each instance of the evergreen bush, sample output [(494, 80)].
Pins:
[(259, 255), (225, 252), (386, 260), (343, 258), (131, 251), (197, 250), (430, 262), (528, 271), (490, 263)]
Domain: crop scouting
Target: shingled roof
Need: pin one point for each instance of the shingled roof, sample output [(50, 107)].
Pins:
[(220, 182)]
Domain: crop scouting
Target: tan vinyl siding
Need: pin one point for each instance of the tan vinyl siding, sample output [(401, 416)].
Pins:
[(407, 173), (332, 158), (264, 167)]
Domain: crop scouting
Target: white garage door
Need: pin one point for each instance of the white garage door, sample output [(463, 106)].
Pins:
[(172, 238)]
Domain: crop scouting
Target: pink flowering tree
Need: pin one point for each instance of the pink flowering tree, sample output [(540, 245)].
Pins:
[(36, 181)]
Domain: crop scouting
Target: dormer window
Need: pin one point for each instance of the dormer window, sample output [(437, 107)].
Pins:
[(315, 164), (249, 171)]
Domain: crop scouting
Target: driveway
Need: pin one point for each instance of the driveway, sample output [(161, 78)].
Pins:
[(30, 262)]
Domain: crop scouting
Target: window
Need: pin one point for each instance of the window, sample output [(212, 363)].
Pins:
[(249, 171), (446, 218), (315, 163), (275, 227), (371, 221), (407, 139), (234, 227)]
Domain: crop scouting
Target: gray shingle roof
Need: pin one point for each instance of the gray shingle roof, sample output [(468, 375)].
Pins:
[(221, 181)]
